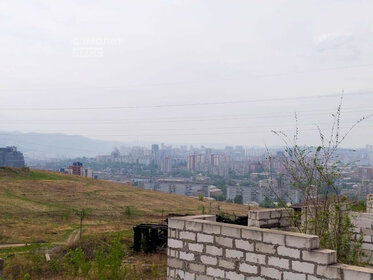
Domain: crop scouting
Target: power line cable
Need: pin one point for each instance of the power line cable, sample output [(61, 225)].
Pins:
[(176, 105)]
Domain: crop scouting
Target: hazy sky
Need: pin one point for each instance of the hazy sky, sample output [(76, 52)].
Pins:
[(137, 55)]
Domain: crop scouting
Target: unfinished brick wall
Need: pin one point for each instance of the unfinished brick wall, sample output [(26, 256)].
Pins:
[(369, 202), (363, 223), (201, 249)]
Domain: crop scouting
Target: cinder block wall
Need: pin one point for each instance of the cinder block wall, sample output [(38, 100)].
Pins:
[(363, 223), (201, 249)]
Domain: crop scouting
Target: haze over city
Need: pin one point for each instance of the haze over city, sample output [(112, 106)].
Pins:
[(186, 72)]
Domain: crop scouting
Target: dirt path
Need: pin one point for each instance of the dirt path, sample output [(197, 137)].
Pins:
[(2, 246), (73, 237)]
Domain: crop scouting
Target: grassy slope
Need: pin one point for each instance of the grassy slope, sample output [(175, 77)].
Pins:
[(39, 205)]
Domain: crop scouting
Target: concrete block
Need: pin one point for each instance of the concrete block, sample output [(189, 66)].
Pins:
[(171, 272), (271, 273), (209, 260), (196, 247), (231, 231), (200, 268), (172, 233), (174, 243), (303, 241), (231, 253), (193, 226), (172, 253), (252, 234), (213, 250), (226, 264), (177, 224), (248, 268), (231, 275), (205, 238), (174, 263), (320, 256), (224, 241), (367, 246), (351, 274), (278, 262), (288, 252), (215, 272), (244, 245), (204, 277), (255, 258), (304, 267), (180, 274), (367, 238), (366, 231), (294, 276), (265, 248), (189, 276), (187, 235), (186, 256), (355, 272), (274, 238), (211, 229), (331, 272)]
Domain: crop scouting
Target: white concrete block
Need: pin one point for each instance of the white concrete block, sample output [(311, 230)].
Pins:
[(320, 256), (231, 231), (189, 276), (224, 241), (265, 248), (304, 267), (216, 272), (248, 268), (255, 258), (193, 226), (226, 264), (308, 242), (187, 235), (294, 276), (244, 245), (288, 252), (177, 224), (274, 238), (211, 229), (197, 267), (252, 234), (278, 262), (196, 247), (186, 256), (213, 250), (205, 238), (271, 273), (231, 275), (231, 253), (173, 243), (209, 260)]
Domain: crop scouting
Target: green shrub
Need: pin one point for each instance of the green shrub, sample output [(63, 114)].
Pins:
[(75, 263)]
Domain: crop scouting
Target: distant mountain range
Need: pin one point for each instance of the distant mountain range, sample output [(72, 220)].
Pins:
[(56, 145)]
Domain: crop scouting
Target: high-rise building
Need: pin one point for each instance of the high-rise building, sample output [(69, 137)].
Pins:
[(155, 154), (9, 156), (166, 164)]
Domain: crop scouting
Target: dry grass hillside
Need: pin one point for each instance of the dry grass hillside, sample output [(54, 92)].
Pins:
[(42, 206)]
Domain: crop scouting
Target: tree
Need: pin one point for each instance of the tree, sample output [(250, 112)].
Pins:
[(267, 203), (238, 199), (82, 214), (314, 173)]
